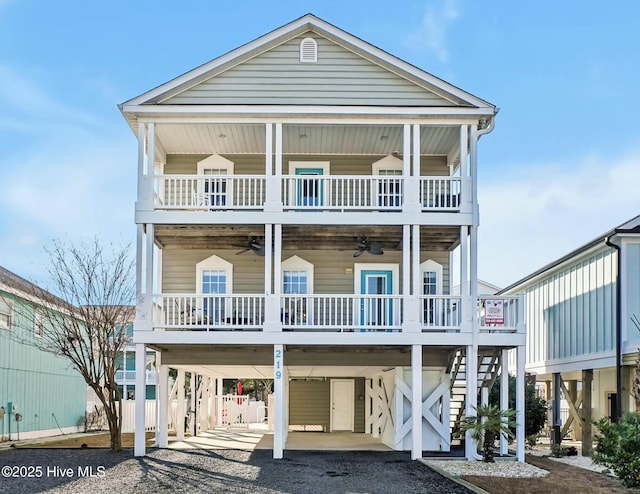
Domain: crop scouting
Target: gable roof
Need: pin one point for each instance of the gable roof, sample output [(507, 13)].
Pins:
[(631, 226), (19, 286), (304, 24)]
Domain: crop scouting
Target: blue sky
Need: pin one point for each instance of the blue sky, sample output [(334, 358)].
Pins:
[(561, 167)]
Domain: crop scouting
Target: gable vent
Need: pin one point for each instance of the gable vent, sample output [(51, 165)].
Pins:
[(308, 50)]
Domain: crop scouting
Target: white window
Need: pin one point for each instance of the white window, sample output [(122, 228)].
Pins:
[(214, 279), (388, 190), (215, 190), (431, 276), (6, 313), (308, 50), (297, 281), (38, 323)]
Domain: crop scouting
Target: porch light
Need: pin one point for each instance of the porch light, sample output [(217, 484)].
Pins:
[(222, 136)]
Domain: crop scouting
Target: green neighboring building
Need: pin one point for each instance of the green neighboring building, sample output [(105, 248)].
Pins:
[(46, 394)]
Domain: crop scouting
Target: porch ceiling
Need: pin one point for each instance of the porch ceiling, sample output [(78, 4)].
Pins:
[(302, 237), (234, 362), (200, 138)]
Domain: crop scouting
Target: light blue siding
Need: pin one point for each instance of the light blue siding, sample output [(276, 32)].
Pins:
[(47, 391), (571, 312), (632, 293)]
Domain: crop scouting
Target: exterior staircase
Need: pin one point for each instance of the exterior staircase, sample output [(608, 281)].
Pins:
[(488, 369)]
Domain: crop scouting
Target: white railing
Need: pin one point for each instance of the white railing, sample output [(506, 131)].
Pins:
[(440, 313), (509, 321), (130, 376), (210, 192), (128, 415), (209, 312), (440, 193), (302, 192), (342, 193), (341, 312)]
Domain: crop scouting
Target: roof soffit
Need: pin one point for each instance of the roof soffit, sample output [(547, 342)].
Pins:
[(305, 24)]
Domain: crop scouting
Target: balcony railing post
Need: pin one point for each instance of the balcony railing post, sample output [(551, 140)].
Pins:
[(521, 325), (272, 322)]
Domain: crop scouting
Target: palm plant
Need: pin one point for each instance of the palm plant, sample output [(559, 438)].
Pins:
[(488, 424)]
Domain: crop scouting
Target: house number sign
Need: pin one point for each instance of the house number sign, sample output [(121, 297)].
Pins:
[(278, 363)]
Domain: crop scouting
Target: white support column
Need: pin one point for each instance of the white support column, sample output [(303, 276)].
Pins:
[(468, 311), (471, 397), (180, 413), (504, 396), (272, 303), (416, 402), (279, 396), (149, 270), (192, 404), (142, 146), (464, 169), (277, 264), (520, 419), (151, 152), (162, 430), (219, 393), (141, 395)]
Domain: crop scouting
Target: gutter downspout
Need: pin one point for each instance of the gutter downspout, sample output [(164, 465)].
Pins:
[(618, 330)]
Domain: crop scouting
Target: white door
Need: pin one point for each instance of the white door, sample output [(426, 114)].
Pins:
[(342, 404)]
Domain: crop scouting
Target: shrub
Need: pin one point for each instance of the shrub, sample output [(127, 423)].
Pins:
[(535, 414), (557, 451), (487, 426), (618, 447)]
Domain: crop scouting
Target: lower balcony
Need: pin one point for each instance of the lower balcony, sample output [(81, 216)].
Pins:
[(330, 312), (129, 377)]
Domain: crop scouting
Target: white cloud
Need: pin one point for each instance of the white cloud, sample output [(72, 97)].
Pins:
[(431, 35), (531, 219)]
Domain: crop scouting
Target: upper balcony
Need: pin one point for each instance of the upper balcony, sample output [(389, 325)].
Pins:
[(292, 168), (340, 194)]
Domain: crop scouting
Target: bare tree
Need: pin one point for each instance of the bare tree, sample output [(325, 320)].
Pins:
[(85, 321)]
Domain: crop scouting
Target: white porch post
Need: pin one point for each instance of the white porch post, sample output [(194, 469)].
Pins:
[(504, 396), (139, 431), (416, 402), (520, 419), (471, 396), (219, 393), (410, 304), (180, 408), (278, 390), (192, 404), (465, 297), (162, 430)]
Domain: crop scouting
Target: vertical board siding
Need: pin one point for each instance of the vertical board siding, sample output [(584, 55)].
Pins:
[(632, 292), (35, 380), (571, 312), (340, 77)]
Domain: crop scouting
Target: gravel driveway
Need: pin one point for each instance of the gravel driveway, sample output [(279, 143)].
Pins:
[(214, 471)]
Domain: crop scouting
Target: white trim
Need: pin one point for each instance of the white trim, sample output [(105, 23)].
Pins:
[(295, 28), (431, 266), (389, 162), (215, 161), (9, 315), (214, 262), (351, 401), (359, 267), (299, 264)]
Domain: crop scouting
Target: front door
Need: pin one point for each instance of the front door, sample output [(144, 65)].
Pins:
[(309, 191), (376, 311), (342, 404)]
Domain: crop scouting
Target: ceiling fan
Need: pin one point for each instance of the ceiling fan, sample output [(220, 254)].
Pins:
[(253, 245), (364, 245)]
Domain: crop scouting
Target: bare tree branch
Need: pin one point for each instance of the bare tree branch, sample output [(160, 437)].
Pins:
[(86, 320)]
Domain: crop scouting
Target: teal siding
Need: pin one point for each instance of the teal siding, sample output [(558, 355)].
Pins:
[(45, 389), (632, 281)]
